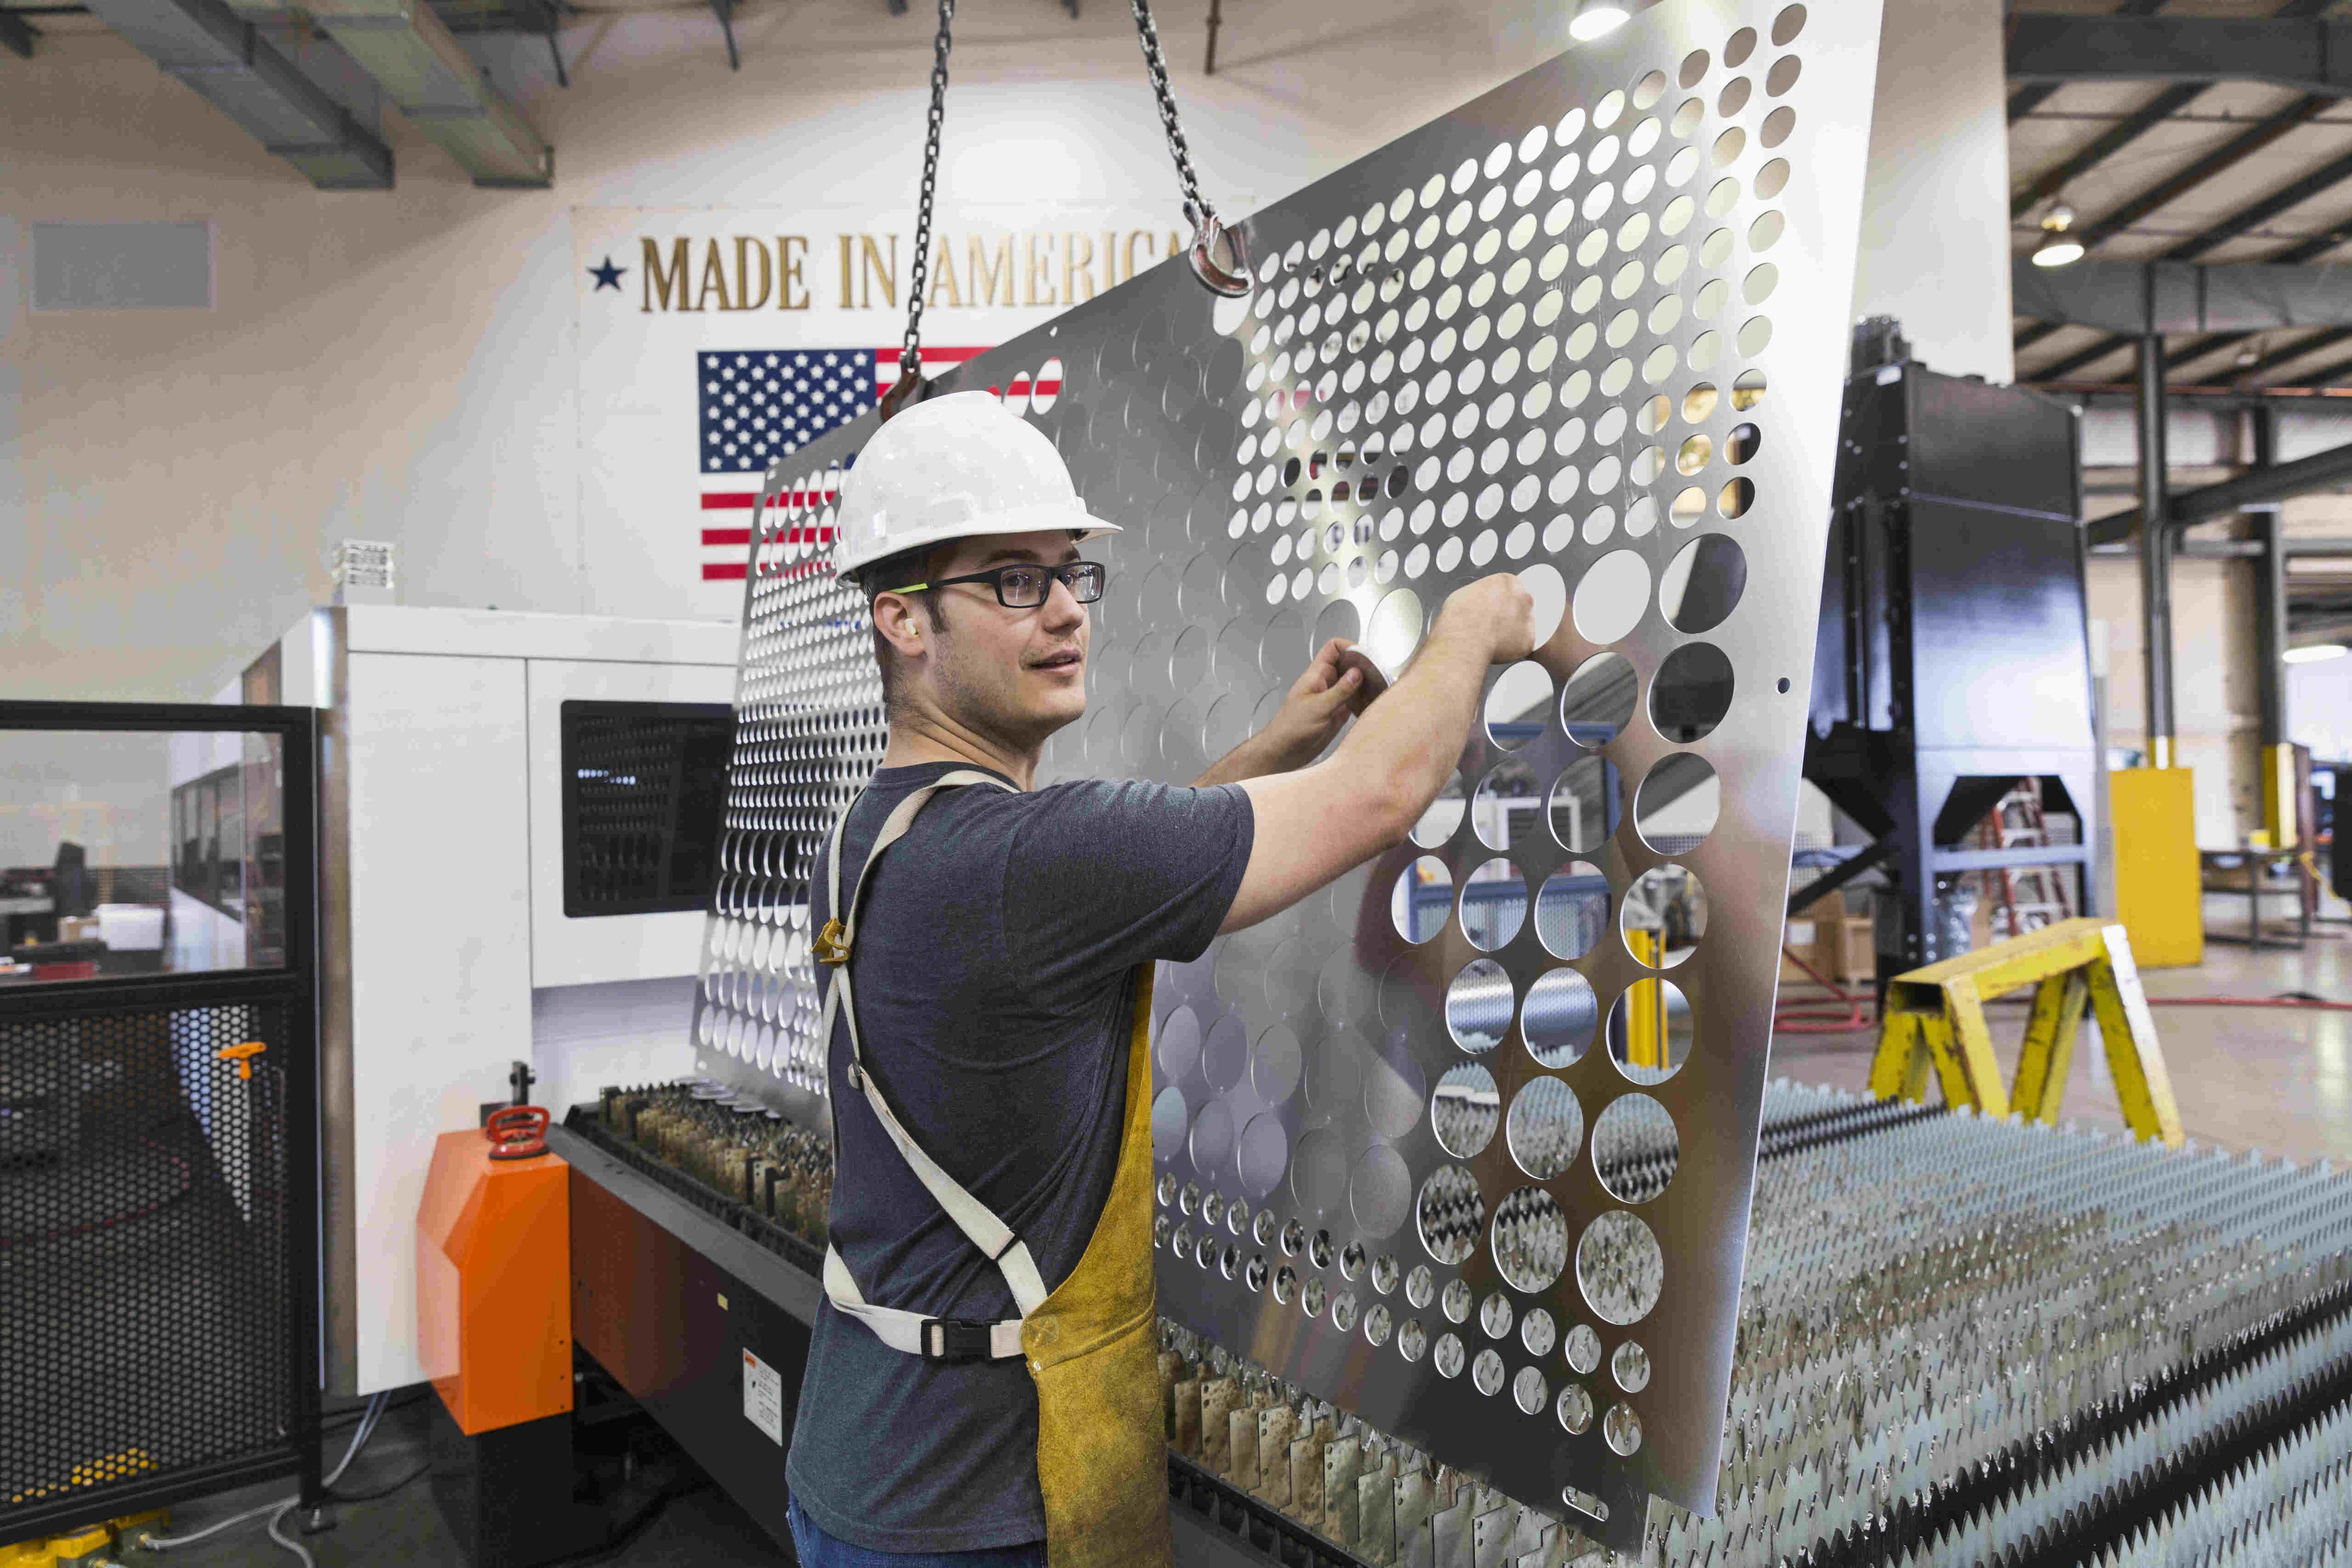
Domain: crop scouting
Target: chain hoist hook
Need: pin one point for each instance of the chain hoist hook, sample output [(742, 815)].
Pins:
[(1230, 279), (1209, 231)]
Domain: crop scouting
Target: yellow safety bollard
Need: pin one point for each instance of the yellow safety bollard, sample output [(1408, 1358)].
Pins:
[(1934, 1021)]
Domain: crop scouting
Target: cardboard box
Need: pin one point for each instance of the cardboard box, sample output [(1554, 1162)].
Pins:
[(78, 927)]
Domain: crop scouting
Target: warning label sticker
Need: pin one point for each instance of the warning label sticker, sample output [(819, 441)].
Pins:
[(764, 1398)]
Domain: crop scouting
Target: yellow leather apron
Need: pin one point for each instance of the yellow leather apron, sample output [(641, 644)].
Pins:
[(1091, 1342)]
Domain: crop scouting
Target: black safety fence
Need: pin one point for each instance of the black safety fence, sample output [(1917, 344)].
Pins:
[(159, 1323)]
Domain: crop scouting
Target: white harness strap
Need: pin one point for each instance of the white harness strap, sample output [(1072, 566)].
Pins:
[(934, 1338)]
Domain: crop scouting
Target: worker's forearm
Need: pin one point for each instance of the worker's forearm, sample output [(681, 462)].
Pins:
[(1406, 744), (1246, 760)]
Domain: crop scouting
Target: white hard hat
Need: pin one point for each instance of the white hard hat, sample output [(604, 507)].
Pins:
[(952, 468)]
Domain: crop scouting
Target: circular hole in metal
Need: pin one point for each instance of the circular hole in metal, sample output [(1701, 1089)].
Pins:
[(1451, 1214), (1649, 1030), (1455, 1301), (1691, 692), (1549, 591), (1703, 584), (1695, 453), (1693, 68), (1276, 1064), (1538, 1332), (1465, 1108), (1487, 1372), (1420, 1285), (1170, 1117), (1778, 126), (1392, 1091), (1343, 1311), (1504, 811), (1561, 1017), (1572, 909), (1630, 1365), (1733, 96), (1262, 1229), (1574, 1408), (1739, 47), (1611, 596), (1212, 1139), (1377, 1323), (1529, 1392), (1772, 178), (1046, 389), (1678, 804), (1318, 1174), (1351, 1261), (1384, 1274), (1736, 498), (1547, 1128), (1621, 1428), (1619, 1267), (1179, 1048), (1312, 1297), (1263, 1155), (1166, 1190), (1393, 631), (1224, 1057), (1493, 905), (1788, 24), (1515, 703), (1449, 1358), (1635, 1148), (1598, 701), (1479, 1005), (1582, 810), (1190, 1198), (1756, 331), (1423, 898), (1412, 1339), (1285, 1283), (1530, 1239)]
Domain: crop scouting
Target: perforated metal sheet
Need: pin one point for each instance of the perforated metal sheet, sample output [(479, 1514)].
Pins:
[(1590, 327)]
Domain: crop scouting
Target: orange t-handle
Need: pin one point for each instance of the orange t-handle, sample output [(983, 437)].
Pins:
[(242, 1055)]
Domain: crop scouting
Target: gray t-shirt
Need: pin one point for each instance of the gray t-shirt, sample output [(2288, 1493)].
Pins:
[(994, 970)]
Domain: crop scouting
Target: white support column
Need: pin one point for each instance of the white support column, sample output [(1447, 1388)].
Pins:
[(1935, 205)]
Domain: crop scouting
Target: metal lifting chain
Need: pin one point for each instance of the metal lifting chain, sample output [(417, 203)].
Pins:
[(1208, 230), (911, 351)]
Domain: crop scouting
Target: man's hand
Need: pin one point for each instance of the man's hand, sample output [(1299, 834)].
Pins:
[(1500, 608), (1317, 705)]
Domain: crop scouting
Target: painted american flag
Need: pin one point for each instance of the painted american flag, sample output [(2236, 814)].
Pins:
[(756, 406)]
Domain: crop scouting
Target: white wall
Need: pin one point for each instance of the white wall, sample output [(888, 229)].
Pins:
[(401, 365), (1935, 205)]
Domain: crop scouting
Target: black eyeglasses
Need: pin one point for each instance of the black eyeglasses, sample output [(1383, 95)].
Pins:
[(1024, 588)]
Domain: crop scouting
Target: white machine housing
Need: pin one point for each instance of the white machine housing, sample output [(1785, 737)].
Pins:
[(446, 953)]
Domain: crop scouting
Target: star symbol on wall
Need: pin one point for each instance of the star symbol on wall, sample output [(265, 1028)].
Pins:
[(607, 276)]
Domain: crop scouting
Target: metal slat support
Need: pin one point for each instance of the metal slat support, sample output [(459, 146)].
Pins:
[(1934, 1020)]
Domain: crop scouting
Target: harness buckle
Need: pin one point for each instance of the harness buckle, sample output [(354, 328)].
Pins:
[(831, 945), (954, 1341)]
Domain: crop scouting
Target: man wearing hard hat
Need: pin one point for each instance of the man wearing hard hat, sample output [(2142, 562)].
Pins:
[(983, 1385)]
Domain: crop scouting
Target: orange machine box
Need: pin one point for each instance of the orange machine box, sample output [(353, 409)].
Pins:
[(494, 1282)]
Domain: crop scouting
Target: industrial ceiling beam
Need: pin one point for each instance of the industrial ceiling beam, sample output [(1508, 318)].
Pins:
[(18, 34), (2279, 481), (2220, 161), (226, 62), (2100, 148), (2134, 298), (2311, 55)]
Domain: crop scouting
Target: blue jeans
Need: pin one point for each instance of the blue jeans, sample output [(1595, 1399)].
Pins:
[(818, 1550)]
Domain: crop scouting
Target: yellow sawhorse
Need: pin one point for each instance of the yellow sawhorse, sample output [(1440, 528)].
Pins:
[(1934, 1018)]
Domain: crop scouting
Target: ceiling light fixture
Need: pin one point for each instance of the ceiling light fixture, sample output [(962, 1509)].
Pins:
[(2314, 653), (1595, 17), (2058, 247)]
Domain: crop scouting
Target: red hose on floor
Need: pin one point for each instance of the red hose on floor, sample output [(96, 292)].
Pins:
[(1841, 1014), (2316, 1004)]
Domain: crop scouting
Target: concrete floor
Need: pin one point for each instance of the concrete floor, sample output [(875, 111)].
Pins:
[(2272, 1079), (2264, 1078)]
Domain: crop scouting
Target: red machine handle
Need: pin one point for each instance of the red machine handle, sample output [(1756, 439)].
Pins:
[(517, 1133)]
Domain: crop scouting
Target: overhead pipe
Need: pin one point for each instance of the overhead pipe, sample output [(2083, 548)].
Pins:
[(2154, 555), (430, 78), (225, 61)]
